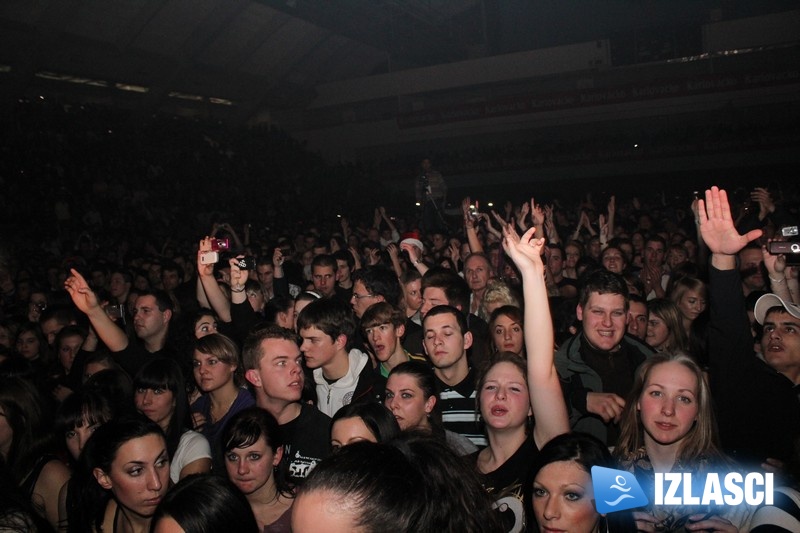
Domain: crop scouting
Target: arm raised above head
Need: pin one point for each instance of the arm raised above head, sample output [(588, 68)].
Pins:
[(547, 400)]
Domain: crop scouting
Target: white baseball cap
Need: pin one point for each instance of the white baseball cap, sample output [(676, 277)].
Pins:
[(768, 301)]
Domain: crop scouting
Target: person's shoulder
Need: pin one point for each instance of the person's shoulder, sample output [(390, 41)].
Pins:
[(569, 348), (636, 344), (309, 413), (191, 437)]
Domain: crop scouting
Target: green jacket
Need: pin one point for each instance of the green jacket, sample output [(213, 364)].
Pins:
[(577, 379)]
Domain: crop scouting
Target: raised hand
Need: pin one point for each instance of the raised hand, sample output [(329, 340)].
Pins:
[(82, 295), (524, 209), (203, 269), (537, 213), (776, 264), (413, 254), (356, 257), (717, 227), (525, 251), (764, 200), (455, 254), (601, 221), (277, 258), (238, 276)]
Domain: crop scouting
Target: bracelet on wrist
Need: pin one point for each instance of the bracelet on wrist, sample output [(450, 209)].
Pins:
[(778, 281), (240, 289)]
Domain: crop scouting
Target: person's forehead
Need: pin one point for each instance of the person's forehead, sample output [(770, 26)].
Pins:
[(655, 245), (434, 292), (380, 323), (475, 261), (780, 316), (608, 299), (323, 269), (148, 300), (638, 308), (275, 348), (264, 268), (441, 320)]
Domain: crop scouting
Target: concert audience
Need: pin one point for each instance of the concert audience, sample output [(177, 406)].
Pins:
[(124, 268)]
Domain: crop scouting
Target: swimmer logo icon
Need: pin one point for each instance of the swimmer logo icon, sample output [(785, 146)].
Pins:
[(616, 490)]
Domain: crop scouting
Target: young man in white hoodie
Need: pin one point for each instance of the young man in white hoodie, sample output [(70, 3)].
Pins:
[(342, 374)]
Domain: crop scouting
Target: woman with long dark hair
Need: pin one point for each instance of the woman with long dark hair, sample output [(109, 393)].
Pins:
[(160, 395), (253, 452), (123, 476), (412, 398), (26, 446)]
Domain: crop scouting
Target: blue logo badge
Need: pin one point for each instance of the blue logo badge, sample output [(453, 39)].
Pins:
[(616, 490)]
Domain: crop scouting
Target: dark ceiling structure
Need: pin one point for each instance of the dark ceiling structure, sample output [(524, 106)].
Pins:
[(271, 54), (252, 53)]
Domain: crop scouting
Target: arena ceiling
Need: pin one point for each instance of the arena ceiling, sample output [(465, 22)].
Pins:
[(271, 54), (267, 52)]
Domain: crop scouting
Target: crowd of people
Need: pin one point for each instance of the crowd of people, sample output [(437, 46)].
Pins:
[(363, 375)]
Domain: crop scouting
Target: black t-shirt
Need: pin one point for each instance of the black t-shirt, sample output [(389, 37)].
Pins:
[(307, 442), (511, 486)]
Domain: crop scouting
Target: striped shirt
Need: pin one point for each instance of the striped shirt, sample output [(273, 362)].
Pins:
[(457, 404)]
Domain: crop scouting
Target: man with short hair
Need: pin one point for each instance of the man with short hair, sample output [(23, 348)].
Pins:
[(477, 272), (441, 286), (653, 274), (53, 320), (274, 367), (383, 326), (183, 295), (638, 315), (265, 273), (323, 276), (342, 374), (446, 342), (567, 288), (345, 263), (756, 401), (372, 285), (151, 319), (120, 285), (597, 366)]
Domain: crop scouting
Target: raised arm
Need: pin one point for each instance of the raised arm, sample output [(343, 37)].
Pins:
[(394, 255), (214, 295), (386, 218), (777, 272), (469, 227), (86, 300), (547, 400)]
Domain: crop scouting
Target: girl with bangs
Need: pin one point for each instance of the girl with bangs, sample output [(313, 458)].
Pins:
[(160, 395), (253, 452), (218, 374)]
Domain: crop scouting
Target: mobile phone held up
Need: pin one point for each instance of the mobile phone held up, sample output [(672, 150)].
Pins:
[(209, 258)]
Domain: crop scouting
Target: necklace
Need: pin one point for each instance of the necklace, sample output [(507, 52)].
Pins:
[(215, 419)]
